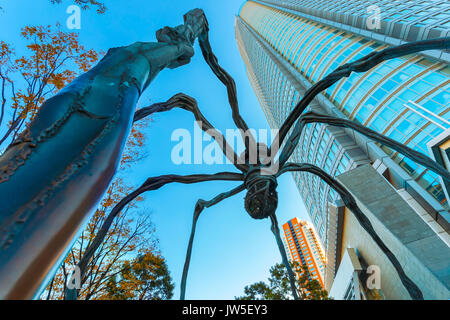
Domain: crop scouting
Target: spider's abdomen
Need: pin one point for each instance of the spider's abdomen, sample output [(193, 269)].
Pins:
[(261, 199)]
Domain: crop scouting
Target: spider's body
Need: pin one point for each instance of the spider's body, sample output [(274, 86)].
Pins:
[(260, 181), (261, 200)]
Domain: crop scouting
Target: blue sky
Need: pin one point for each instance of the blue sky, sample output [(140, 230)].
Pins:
[(231, 250)]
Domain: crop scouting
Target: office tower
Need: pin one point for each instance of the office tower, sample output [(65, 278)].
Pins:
[(302, 245), (289, 45)]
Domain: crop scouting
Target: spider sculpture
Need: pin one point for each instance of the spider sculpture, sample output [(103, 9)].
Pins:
[(258, 177)]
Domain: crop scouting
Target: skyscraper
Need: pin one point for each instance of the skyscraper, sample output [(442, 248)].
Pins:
[(289, 45), (302, 245)]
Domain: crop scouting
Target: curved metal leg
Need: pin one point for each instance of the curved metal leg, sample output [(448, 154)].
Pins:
[(199, 206), (361, 65), (227, 80), (276, 231), (311, 117), (153, 183), (188, 103), (350, 203)]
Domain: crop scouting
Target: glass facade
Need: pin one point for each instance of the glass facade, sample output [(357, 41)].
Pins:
[(400, 19), (405, 98)]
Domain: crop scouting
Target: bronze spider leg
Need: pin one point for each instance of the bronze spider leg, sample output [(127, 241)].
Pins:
[(361, 65), (152, 183), (276, 231), (350, 203), (227, 80), (312, 117), (188, 103), (199, 206)]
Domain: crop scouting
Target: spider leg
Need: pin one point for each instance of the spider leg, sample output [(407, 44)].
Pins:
[(276, 231), (361, 65), (311, 117), (228, 81), (199, 206), (350, 203), (188, 103), (152, 183)]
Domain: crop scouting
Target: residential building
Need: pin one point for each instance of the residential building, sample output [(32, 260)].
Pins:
[(302, 245)]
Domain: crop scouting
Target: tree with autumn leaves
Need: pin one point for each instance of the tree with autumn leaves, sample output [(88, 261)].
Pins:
[(54, 58), (128, 264), (143, 278), (279, 287)]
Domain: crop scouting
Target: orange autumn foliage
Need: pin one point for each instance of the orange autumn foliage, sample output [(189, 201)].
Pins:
[(145, 277), (54, 58)]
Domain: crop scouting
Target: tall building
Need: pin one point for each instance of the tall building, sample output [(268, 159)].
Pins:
[(289, 45), (302, 245)]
